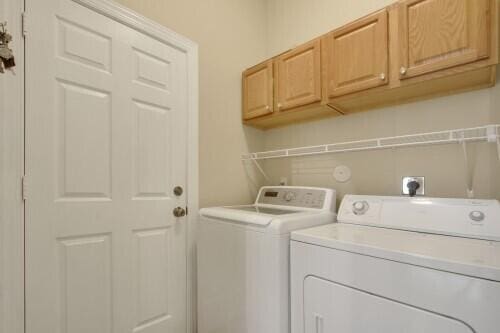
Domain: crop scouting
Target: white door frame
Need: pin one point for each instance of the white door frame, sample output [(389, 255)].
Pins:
[(12, 158), (11, 172)]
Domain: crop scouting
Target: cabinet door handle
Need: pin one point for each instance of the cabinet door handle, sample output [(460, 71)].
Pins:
[(382, 77), (268, 107), (279, 106), (403, 70)]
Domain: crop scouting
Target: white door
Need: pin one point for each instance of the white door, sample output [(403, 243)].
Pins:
[(106, 144)]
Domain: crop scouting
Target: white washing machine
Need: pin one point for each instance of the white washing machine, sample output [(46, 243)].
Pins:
[(396, 265), (243, 258)]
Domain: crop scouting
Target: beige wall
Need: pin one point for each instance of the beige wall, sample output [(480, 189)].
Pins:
[(495, 115), (291, 22), (235, 34), (231, 35)]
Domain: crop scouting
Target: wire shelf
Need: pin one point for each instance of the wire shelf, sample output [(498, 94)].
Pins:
[(488, 133)]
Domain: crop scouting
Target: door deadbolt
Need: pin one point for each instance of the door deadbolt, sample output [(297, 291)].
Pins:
[(178, 191), (179, 212)]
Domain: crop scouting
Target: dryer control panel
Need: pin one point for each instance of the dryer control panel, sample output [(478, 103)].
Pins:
[(295, 196), (457, 217)]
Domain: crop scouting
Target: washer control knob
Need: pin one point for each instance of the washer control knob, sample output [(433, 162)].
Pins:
[(360, 207), (476, 216), (289, 196)]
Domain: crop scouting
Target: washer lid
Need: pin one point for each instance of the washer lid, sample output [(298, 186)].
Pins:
[(251, 214), (263, 210), (472, 257)]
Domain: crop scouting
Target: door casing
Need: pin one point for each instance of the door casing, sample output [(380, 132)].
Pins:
[(12, 157), (11, 172)]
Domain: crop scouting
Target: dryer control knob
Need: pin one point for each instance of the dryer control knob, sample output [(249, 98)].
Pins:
[(476, 216), (360, 207)]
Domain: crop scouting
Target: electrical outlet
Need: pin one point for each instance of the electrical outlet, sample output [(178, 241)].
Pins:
[(405, 188)]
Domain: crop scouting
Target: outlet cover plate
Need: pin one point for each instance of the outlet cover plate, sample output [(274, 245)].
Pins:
[(406, 180)]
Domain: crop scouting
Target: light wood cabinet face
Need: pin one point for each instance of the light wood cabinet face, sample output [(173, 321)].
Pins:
[(357, 55), (258, 90), (299, 76), (408, 51), (439, 34)]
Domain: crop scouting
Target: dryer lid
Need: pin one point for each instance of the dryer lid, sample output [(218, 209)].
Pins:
[(472, 257)]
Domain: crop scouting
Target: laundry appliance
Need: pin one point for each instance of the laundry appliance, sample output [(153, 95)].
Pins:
[(243, 258), (395, 264)]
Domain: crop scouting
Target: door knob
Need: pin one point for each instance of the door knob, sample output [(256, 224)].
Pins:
[(179, 212)]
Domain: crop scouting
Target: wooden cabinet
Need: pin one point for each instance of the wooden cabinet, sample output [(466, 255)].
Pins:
[(411, 50), (258, 90), (299, 76), (439, 34), (357, 55)]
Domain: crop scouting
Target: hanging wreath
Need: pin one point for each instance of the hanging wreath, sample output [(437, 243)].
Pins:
[(7, 60)]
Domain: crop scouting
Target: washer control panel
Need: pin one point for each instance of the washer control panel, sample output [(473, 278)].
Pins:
[(458, 217), (302, 197)]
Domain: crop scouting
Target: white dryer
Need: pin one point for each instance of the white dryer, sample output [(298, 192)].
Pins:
[(396, 265), (243, 258)]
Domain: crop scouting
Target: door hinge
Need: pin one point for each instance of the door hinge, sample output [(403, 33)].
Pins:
[(24, 23), (24, 187), (186, 210)]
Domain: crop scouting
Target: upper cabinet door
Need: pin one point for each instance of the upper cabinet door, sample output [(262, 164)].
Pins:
[(299, 76), (258, 90), (439, 34), (357, 55)]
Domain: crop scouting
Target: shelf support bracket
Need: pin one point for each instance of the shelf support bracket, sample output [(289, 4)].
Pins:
[(468, 174), (257, 165), (498, 146), (498, 142), (493, 136)]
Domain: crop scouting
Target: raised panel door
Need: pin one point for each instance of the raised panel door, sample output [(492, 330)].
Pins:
[(106, 134), (258, 90), (299, 76), (357, 55), (439, 34)]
